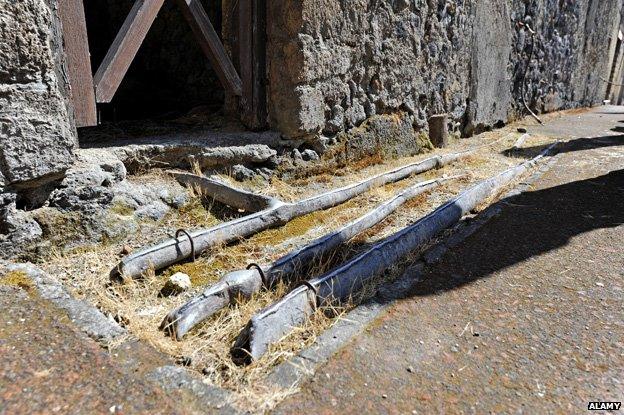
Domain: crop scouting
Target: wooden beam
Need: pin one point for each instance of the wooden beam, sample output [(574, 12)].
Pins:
[(211, 45), (259, 59), (124, 48), (245, 58), (252, 59), (76, 46)]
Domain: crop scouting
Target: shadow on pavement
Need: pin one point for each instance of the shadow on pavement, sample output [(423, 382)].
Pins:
[(531, 224), (578, 144)]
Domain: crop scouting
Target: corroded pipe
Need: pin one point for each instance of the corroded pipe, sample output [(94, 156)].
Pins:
[(226, 194)]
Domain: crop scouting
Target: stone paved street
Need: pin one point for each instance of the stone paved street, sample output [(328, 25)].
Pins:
[(49, 367)]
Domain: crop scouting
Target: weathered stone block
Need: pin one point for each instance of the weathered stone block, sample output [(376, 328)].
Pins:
[(438, 130), (490, 92), (37, 136), (386, 136)]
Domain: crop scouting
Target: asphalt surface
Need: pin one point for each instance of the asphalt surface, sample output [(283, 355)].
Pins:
[(525, 316)]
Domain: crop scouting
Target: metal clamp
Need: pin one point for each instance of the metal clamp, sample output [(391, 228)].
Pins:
[(261, 272), (190, 238), (311, 287)]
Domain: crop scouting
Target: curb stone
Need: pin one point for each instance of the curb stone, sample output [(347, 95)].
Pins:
[(97, 326), (86, 317), (176, 378)]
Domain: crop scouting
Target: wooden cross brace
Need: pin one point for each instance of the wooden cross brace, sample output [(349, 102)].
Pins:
[(129, 38)]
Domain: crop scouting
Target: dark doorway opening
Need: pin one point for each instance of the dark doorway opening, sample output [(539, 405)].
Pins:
[(170, 75)]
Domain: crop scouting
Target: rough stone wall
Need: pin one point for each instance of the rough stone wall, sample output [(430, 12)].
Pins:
[(614, 94), (574, 46), (490, 96), (37, 137), (615, 90), (335, 63), (601, 24)]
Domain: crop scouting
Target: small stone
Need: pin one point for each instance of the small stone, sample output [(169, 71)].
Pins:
[(384, 396), (438, 130), (321, 144), (265, 172), (154, 211), (296, 155), (125, 250), (310, 155), (599, 284), (522, 130), (179, 201), (410, 369), (184, 361), (242, 173), (177, 283)]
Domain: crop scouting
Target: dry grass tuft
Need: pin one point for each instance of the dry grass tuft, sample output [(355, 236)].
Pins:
[(367, 161)]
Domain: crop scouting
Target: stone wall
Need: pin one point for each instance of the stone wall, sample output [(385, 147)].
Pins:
[(335, 63), (37, 136), (574, 48)]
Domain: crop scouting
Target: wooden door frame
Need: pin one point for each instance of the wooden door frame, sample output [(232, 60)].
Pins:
[(252, 61), (76, 46)]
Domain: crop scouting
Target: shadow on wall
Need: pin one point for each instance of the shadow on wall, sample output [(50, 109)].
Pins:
[(533, 223)]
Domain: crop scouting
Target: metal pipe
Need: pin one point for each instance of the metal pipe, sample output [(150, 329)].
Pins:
[(226, 194)]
